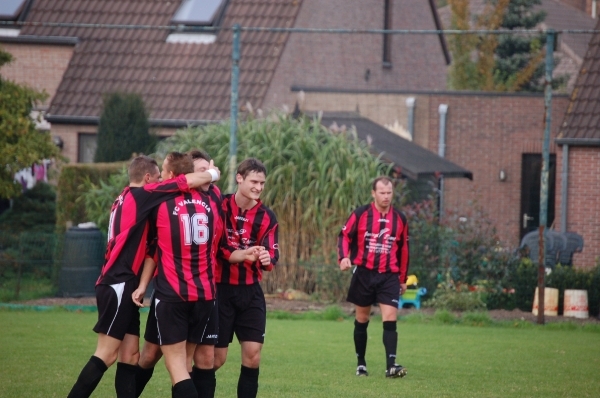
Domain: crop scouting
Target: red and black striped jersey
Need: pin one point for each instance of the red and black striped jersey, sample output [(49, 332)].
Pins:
[(189, 228), (128, 228), (243, 229), (376, 241)]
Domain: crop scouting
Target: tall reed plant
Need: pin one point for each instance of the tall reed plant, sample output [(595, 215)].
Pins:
[(315, 179)]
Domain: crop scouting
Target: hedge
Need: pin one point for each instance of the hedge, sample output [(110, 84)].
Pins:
[(71, 186)]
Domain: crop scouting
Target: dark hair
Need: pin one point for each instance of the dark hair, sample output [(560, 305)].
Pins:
[(385, 179), (249, 165), (139, 167), (196, 154), (180, 163)]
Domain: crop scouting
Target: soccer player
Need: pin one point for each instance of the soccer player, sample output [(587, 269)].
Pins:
[(118, 318), (242, 307), (202, 374), (189, 228), (375, 239)]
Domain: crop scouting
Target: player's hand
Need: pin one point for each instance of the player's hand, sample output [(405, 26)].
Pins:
[(138, 297), (211, 165), (345, 264), (264, 257), (402, 288), (252, 253)]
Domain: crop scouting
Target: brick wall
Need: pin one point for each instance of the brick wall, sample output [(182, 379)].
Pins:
[(486, 134), (583, 206), (355, 61), (40, 66), (69, 133)]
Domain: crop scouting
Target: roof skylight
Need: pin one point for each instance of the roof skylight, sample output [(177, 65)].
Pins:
[(199, 12), (10, 9)]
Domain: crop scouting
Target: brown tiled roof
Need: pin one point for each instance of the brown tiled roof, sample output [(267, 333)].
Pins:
[(562, 17), (581, 124), (185, 82)]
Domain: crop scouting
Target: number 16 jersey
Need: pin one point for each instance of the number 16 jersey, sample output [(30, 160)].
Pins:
[(189, 228)]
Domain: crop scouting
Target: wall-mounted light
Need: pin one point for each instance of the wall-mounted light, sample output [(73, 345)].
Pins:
[(56, 140), (502, 175)]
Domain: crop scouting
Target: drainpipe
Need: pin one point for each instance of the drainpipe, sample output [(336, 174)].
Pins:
[(442, 110), (410, 104), (564, 187), (594, 10)]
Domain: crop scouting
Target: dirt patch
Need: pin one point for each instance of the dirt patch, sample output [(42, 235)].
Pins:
[(275, 303)]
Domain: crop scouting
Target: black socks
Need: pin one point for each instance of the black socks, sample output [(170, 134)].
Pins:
[(248, 383), (125, 380), (142, 378), (390, 342), (88, 379), (205, 382), (184, 389), (360, 341)]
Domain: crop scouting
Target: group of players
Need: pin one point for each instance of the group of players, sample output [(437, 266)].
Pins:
[(193, 242), (196, 242)]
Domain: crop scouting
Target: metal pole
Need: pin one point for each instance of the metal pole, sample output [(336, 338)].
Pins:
[(442, 110), (564, 188), (235, 77), (545, 167)]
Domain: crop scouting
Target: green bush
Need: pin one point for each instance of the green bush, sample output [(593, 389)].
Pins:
[(99, 197), (124, 128), (34, 210), (73, 182), (450, 297), (561, 278), (463, 246)]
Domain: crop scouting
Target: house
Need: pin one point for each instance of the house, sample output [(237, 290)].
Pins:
[(366, 80), (578, 163), (184, 75)]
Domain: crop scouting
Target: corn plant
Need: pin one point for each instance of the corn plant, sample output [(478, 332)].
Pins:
[(315, 179)]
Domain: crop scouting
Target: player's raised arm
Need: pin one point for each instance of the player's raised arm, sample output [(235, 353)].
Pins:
[(197, 179)]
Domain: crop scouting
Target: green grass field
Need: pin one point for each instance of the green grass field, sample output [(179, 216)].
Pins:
[(42, 353)]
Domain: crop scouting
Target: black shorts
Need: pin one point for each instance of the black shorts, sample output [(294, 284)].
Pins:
[(193, 321), (243, 311), (117, 313), (151, 333), (369, 287)]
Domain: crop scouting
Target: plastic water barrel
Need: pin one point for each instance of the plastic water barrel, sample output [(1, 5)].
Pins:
[(550, 301), (576, 303), (83, 256)]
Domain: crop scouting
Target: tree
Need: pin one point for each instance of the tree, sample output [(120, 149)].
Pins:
[(21, 144), (519, 58), (124, 128), (473, 56), (491, 62)]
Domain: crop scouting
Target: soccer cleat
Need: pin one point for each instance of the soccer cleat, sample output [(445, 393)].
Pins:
[(396, 371), (361, 370)]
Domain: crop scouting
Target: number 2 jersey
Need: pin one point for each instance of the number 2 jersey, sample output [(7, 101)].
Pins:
[(189, 228), (243, 229), (376, 241), (128, 228)]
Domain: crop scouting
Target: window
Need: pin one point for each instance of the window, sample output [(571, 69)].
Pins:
[(10, 9), (387, 38), (200, 12), (87, 147), (13, 10), (205, 13)]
